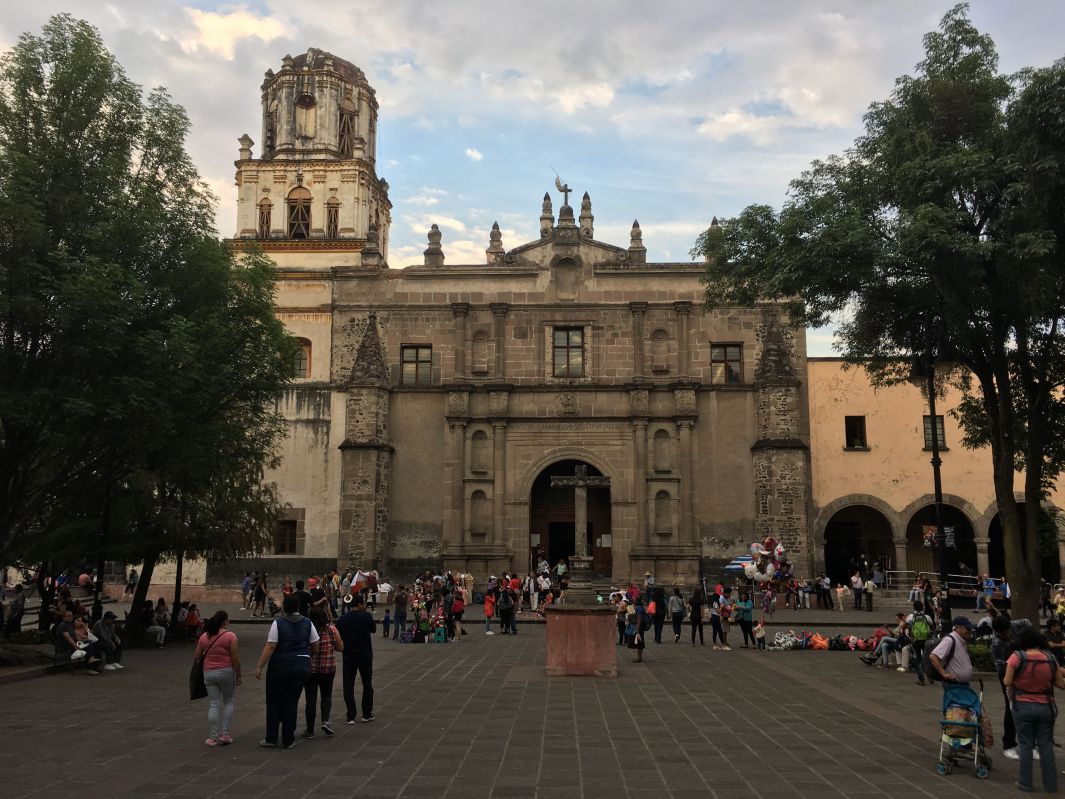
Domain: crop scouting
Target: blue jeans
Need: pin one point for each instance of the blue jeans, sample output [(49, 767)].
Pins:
[(401, 625), (1035, 724), (886, 646), (221, 696)]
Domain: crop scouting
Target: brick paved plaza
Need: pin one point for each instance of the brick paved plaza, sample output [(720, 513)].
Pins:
[(478, 719)]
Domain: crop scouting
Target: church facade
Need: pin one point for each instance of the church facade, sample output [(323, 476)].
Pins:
[(434, 403)]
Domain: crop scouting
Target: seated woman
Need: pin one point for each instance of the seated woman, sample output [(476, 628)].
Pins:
[(889, 643), (67, 641)]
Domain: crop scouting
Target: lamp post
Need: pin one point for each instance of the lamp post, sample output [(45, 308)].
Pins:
[(927, 370)]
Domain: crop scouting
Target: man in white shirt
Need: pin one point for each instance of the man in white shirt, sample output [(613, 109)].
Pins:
[(950, 658)]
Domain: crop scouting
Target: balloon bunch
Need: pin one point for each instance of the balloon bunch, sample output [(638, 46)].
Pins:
[(767, 562)]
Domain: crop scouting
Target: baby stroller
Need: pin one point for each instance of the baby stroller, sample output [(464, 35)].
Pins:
[(271, 605), (962, 728)]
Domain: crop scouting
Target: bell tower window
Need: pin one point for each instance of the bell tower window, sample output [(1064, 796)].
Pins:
[(332, 218), (265, 207), (299, 213), (346, 139)]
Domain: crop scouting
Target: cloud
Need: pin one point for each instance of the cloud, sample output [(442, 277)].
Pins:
[(474, 155), (220, 32)]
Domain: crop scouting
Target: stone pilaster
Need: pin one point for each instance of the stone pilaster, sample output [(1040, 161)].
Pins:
[(639, 311), (499, 328), (499, 476), (780, 460), (460, 310), (683, 311), (366, 458)]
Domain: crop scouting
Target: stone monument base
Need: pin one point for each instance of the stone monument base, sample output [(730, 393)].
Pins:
[(581, 641)]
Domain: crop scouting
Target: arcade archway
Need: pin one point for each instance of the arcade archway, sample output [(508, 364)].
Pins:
[(852, 532), (961, 557), (552, 512), (1048, 550)]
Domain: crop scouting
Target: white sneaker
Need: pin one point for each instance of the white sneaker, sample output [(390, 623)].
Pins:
[(900, 669), (1011, 754), (118, 666), (489, 633), (110, 667)]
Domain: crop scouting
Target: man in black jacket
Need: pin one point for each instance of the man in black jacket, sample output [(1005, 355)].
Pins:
[(356, 629)]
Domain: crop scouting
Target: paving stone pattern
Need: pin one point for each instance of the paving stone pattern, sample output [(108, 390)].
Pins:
[(478, 720)]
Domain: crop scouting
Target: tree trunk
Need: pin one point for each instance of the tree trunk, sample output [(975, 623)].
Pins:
[(177, 592), (131, 630), (44, 619)]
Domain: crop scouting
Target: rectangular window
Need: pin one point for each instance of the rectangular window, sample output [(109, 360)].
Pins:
[(332, 220), (568, 351), (726, 364), (941, 441), (854, 432), (417, 364), (285, 537)]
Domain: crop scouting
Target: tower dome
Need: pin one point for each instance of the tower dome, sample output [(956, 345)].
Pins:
[(318, 105)]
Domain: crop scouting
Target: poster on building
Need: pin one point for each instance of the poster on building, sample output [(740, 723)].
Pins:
[(948, 536), (929, 535)]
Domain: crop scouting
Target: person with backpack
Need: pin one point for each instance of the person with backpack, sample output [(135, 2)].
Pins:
[(676, 613), (950, 657), (1032, 673), (920, 631), (505, 605)]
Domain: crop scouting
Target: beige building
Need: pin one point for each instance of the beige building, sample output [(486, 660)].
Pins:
[(435, 402), (872, 479)]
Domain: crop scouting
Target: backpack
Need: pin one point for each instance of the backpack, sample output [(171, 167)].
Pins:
[(1051, 661), (506, 601), (930, 672), (920, 629)]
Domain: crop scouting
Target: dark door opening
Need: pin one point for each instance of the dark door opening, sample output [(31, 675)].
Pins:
[(560, 541), (551, 520)]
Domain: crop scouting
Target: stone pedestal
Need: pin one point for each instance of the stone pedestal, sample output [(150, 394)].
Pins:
[(580, 591), (581, 641)]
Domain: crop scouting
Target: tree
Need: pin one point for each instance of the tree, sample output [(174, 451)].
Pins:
[(937, 234), (141, 360)]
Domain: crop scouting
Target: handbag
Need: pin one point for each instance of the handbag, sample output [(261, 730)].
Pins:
[(197, 687)]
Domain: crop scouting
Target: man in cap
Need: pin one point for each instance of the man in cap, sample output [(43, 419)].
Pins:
[(950, 658), (110, 643)]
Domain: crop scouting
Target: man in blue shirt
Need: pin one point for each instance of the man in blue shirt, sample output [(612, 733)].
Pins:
[(984, 599)]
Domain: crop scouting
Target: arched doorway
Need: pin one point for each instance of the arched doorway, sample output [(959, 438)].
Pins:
[(961, 558), (551, 518), (1048, 547), (853, 531)]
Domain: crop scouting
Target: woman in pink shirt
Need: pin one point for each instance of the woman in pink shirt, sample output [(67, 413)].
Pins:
[(221, 675)]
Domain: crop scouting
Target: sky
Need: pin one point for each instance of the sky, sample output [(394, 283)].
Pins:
[(670, 113)]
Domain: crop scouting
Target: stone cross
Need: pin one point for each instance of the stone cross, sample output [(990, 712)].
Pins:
[(580, 482)]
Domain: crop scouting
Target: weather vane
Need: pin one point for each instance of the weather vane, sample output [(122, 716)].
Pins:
[(562, 187)]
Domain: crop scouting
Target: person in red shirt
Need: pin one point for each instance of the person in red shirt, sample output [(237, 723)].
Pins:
[(515, 586), (489, 609)]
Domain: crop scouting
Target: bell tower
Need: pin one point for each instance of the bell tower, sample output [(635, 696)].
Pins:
[(314, 187)]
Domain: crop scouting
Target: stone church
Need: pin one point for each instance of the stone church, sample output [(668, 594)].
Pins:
[(434, 403)]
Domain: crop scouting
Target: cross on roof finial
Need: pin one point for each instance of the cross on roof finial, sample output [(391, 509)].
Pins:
[(564, 188)]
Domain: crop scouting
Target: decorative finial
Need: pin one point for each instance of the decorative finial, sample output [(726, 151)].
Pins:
[(286, 62), (371, 255), (547, 219), (495, 250), (714, 222), (434, 253), (245, 147), (637, 252), (587, 219)]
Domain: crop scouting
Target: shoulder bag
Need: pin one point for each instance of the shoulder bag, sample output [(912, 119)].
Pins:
[(197, 687)]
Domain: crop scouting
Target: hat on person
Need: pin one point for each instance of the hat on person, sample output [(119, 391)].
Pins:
[(962, 621), (647, 574), (110, 615)]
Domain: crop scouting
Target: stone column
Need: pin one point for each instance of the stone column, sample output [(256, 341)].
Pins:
[(499, 460), (900, 556), (685, 431), (458, 463), (461, 311), (580, 521), (981, 555), (639, 478), (499, 318), (638, 309), (683, 310)]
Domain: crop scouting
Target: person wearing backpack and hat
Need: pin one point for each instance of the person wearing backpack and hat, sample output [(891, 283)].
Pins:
[(1032, 673), (950, 658)]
